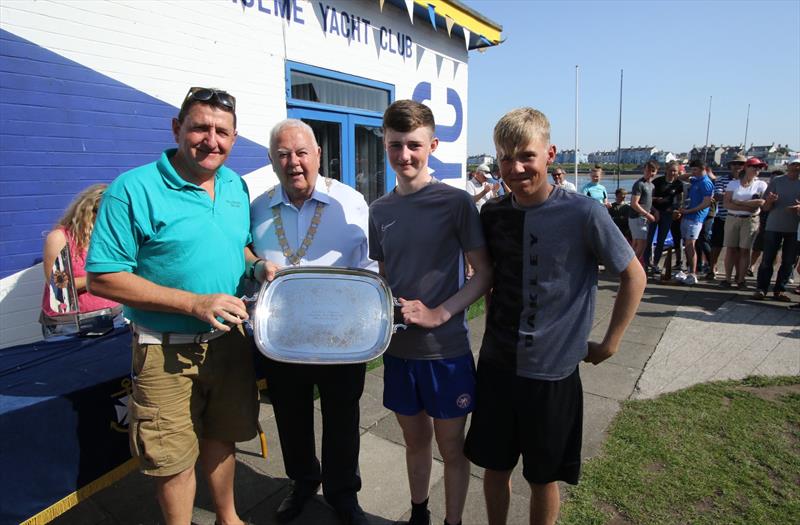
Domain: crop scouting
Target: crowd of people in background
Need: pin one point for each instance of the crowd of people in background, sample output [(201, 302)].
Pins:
[(721, 227)]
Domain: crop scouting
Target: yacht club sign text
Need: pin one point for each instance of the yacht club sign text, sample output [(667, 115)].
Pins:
[(343, 24)]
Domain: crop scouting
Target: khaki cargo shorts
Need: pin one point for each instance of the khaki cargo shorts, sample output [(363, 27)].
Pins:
[(740, 231), (186, 392)]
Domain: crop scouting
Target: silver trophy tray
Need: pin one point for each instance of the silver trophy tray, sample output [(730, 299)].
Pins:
[(324, 315)]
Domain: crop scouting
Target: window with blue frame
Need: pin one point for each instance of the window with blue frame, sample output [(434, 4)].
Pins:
[(345, 112)]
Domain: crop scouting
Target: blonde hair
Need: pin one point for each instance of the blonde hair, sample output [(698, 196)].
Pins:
[(79, 217), (518, 128)]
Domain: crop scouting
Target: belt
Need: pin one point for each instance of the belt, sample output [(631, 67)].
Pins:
[(149, 337), (741, 216)]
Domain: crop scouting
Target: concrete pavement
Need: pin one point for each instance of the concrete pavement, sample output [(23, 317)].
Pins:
[(680, 336)]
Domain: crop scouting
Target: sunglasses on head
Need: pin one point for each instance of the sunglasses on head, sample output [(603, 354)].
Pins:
[(202, 94)]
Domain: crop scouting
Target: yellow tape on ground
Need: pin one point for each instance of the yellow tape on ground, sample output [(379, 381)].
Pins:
[(82, 494)]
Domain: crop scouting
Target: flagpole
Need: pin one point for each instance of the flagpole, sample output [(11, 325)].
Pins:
[(746, 125), (708, 129), (576, 126), (619, 127)]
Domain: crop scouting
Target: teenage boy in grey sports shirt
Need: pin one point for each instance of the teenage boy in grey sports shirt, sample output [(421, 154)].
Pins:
[(419, 234)]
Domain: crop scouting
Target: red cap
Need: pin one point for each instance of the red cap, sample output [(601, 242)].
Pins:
[(755, 162)]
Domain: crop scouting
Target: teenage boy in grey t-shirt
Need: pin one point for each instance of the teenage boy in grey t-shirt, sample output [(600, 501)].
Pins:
[(545, 244), (642, 212), (419, 234)]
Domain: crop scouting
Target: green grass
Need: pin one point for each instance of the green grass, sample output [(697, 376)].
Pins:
[(725, 452), (477, 308)]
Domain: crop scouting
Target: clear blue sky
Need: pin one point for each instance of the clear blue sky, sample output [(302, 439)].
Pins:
[(675, 55)]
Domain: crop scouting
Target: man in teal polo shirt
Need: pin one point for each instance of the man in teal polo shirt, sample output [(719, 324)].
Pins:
[(169, 244)]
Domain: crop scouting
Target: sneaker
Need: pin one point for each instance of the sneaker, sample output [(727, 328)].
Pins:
[(725, 284), (711, 276), (759, 295), (680, 276), (690, 279), (741, 285)]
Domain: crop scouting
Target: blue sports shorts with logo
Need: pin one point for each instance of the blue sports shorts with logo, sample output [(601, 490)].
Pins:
[(443, 388)]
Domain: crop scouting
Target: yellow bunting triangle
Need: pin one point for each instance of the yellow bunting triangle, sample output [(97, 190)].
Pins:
[(449, 22)]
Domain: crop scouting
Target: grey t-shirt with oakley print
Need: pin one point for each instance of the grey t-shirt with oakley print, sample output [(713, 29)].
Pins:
[(420, 238), (545, 261)]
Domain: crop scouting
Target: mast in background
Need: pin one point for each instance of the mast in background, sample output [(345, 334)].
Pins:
[(576, 126), (708, 129), (619, 127)]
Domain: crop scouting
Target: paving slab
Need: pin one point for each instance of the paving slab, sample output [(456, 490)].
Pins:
[(609, 380), (632, 355), (384, 489), (598, 412), (372, 409), (737, 340)]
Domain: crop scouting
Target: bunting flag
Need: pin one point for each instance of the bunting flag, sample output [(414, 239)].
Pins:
[(432, 16), (485, 42), (410, 8), (381, 2), (466, 37), (449, 23)]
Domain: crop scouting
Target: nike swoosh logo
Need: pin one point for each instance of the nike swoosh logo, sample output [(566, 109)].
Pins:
[(385, 227)]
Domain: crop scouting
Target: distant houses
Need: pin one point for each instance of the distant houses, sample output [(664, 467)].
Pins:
[(568, 157), (477, 160), (637, 155), (713, 155)]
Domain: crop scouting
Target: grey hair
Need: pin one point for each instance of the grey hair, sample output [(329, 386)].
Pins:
[(290, 123)]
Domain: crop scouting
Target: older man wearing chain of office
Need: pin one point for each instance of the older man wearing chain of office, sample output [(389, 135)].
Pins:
[(312, 220)]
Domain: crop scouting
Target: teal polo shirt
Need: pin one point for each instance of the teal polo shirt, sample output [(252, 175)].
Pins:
[(158, 226)]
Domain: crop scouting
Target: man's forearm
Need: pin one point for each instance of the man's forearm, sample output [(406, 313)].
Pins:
[(138, 292)]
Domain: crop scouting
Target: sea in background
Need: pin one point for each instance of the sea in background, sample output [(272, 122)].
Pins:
[(609, 181)]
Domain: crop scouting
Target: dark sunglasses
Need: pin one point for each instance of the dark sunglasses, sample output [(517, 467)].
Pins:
[(202, 94)]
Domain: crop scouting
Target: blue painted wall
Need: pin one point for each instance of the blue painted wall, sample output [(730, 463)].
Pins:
[(64, 127)]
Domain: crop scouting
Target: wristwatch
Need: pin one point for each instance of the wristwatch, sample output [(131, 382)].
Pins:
[(251, 274)]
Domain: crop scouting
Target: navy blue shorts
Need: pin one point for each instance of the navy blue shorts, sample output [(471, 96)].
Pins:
[(444, 388)]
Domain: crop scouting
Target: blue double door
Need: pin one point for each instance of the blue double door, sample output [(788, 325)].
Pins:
[(352, 149)]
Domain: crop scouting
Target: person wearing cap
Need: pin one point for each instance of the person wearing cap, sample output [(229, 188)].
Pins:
[(169, 243), (735, 165), (743, 200), (559, 180), (479, 186), (698, 199), (781, 229)]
